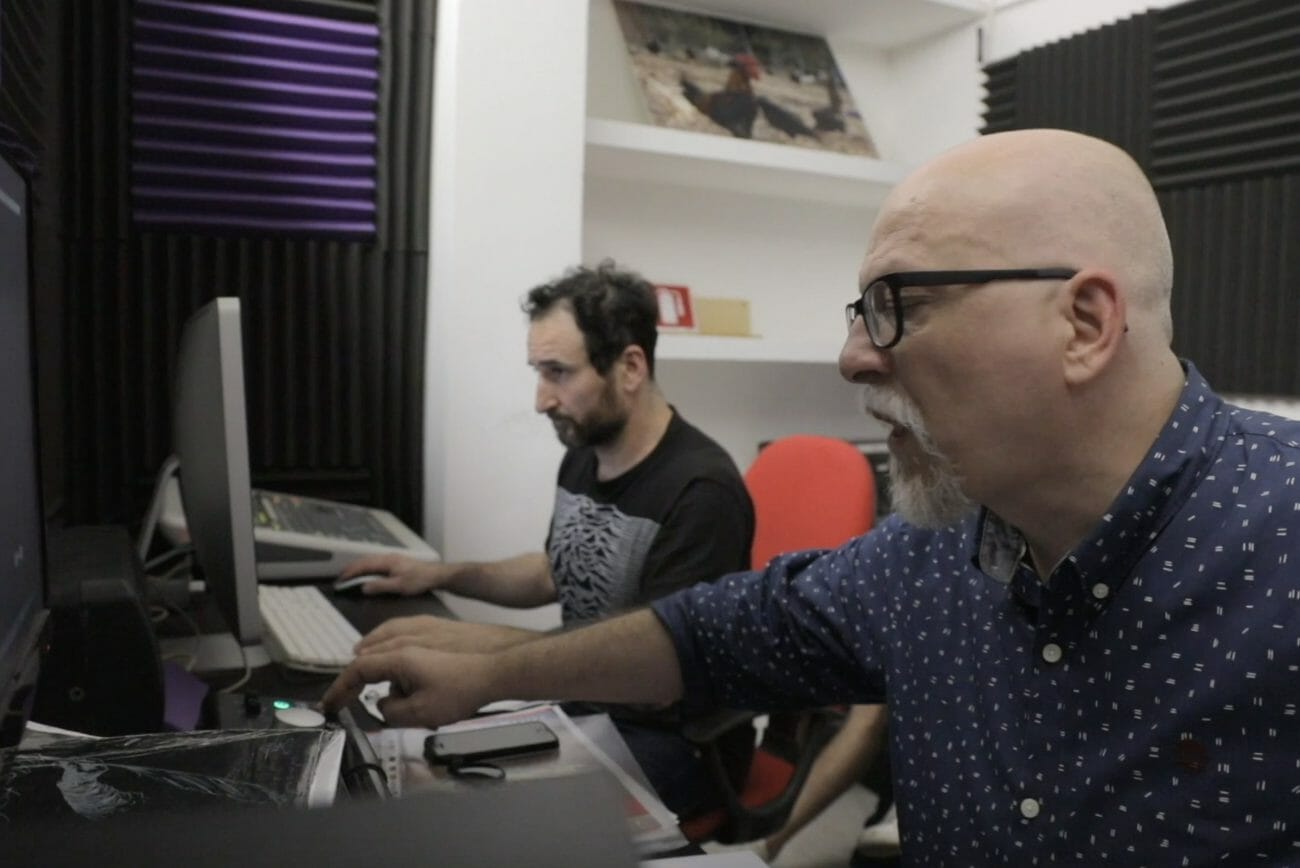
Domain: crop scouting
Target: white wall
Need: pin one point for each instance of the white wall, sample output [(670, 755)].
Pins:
[(507, 215), (742, 404), (797, 265), (509, 212)]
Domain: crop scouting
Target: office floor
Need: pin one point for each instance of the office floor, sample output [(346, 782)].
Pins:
[(827, 841)]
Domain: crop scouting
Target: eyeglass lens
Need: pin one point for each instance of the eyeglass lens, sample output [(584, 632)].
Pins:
[(878, 311), (881, 313)]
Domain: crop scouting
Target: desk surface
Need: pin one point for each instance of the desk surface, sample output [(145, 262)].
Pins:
[(365, 613)]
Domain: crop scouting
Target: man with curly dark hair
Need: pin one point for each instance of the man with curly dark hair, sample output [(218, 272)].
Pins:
[(645, 504)]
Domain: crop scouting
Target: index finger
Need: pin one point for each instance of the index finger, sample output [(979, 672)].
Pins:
[(360, 672), (389, 629), (368, 564)]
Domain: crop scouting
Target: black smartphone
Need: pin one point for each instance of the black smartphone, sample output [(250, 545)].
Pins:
[(489, 742)]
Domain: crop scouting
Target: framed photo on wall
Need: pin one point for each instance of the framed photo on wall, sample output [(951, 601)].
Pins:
[(730, 78)]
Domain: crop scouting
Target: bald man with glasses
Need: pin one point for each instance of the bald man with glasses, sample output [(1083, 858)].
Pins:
[(1084, 614)]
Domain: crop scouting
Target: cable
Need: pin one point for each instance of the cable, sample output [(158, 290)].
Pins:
[(161, 559), (169, 467), (361, 757), (459, 768), (248, 673), (168, 610), (358, 768), (184, 616), (189, 659)]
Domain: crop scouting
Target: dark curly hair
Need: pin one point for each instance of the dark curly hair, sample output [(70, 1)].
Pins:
[(614, 308)]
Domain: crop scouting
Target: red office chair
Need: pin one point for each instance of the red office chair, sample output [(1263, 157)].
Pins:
[(809, 492)]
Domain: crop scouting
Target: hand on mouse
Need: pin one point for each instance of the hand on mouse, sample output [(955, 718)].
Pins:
[(398, 575)]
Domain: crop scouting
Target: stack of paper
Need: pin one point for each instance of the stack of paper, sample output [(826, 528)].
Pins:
[(589, 743)]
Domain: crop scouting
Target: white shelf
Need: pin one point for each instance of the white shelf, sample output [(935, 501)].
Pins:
[(680, 169), (875, 23), (660, 155), (691, 347)]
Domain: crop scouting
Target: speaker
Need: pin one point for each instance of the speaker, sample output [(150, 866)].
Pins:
[(102, 673)]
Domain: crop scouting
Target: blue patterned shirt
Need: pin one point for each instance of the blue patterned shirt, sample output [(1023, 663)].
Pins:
[(1137, 708)]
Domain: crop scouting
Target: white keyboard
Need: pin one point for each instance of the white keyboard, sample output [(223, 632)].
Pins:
[(304, 630)]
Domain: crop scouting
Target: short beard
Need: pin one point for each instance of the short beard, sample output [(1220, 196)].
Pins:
[(603, 425), (930, 496)]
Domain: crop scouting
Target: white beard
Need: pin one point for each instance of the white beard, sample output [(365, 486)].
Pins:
[(929, 497)]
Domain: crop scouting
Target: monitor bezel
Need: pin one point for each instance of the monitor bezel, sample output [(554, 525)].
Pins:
[(210, 439), (21, 651)]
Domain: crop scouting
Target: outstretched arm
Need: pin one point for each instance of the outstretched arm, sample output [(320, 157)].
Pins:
[(442, 634), (625, 659)]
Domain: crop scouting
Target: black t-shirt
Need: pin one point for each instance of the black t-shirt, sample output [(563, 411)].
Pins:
[(680, 516)]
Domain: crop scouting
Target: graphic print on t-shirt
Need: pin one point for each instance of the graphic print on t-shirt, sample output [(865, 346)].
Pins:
[(597, 554)]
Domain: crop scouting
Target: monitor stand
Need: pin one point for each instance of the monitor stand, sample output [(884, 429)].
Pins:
[(214, 652)]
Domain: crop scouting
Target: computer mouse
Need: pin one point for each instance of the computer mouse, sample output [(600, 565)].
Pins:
[(296, 715), (355, 583)]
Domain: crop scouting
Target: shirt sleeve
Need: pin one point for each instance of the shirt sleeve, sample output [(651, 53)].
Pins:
[(707, 534), (806, 631)]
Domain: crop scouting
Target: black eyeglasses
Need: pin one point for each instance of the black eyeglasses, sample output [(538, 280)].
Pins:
[(881, 302)]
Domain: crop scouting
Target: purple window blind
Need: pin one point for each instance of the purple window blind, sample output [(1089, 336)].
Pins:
[(248, 120)]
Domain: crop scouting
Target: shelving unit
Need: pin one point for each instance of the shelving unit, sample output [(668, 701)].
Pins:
[(654, 191), (872, 23), (700, 161), (689, 347), (779, 225)]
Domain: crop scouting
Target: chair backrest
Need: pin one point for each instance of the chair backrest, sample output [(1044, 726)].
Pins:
[(809, 491)]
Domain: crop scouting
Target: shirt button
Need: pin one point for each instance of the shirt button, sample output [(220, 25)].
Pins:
[(1052, 652), (1029, 808), (1100, 591)]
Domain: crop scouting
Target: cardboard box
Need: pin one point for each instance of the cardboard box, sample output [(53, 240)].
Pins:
[(722, 316)]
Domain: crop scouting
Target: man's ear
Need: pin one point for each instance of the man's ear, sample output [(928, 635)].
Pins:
[(1095, 308), (636, 368)]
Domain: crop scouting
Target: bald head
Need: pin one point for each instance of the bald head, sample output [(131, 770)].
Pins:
[(1035, 198)]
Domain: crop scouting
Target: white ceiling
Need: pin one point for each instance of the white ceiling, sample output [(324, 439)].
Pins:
[(877, 23)]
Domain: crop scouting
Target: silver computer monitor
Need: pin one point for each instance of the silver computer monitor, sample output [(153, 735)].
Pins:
[(210, 440), (22, 573)]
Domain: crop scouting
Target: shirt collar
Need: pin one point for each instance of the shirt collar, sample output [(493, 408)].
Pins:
[(1182, 453)]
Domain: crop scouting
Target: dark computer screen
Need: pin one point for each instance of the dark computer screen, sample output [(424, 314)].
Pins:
[(22, 562), (210, 439)]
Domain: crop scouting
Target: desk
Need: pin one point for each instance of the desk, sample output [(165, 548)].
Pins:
[(367, 613), (364, 613)]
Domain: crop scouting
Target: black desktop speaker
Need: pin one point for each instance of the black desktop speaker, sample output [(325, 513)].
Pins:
[(102, 673)]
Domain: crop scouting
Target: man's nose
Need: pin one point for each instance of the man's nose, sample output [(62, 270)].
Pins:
[(545, 400), (860, 361)]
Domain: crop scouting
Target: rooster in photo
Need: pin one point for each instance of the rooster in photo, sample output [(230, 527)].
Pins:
[(829, 118), (784, 120), (734, 107)]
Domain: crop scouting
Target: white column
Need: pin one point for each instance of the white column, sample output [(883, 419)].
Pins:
[(509, 109)]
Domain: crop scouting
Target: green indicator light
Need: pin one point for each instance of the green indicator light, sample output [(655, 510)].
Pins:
[(282, 703)]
